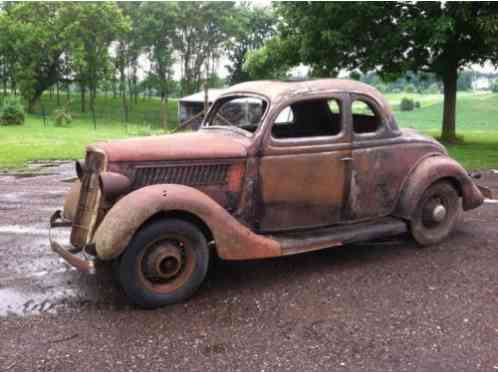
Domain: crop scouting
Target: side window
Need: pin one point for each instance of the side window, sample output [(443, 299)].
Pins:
[(365, 118), (285, 117), (308, 118)]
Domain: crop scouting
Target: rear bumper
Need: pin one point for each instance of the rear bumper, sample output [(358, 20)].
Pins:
[(68, 254)]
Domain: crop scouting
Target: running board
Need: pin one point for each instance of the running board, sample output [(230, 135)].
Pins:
[(316, 239)]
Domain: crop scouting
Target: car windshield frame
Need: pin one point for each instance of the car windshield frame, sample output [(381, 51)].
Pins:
[(224, 99)]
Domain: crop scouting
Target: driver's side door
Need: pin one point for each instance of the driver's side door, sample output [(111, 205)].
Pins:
[(305, 169)]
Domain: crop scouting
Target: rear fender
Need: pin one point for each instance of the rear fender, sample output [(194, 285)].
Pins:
[(429, 171), (233, 240)]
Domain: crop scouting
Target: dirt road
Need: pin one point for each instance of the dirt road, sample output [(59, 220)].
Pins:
[(377, 306)]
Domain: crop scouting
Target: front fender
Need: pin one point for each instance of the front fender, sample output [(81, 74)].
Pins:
[(233, 240), (429, 171)]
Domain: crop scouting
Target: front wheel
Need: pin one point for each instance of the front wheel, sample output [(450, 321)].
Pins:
[(436, 215), (165, 263)]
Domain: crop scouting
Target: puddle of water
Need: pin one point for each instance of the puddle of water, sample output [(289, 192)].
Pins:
[(15, 302), (491, 201), (69, 179), (23, 175), (23, 277), (17, 229)]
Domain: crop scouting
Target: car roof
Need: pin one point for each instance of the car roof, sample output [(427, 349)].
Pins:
[(277, 90)]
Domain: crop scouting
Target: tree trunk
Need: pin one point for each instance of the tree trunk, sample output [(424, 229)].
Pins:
[(5, 79), (449, 111), (123, 94), (83, 97), (130, 93), (34, 100), (58, 94), (164, 112)]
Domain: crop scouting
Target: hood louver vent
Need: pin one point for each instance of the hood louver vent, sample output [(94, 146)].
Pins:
[(185, 175)]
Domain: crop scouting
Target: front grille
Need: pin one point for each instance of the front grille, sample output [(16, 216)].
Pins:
[(87, 211), (185, 175)]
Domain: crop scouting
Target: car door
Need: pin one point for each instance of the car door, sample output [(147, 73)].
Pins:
[(377, 162), (305, 167)]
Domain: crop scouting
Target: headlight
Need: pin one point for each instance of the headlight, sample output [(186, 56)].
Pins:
[(113, 184)]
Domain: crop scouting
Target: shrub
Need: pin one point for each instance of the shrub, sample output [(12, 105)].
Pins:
[(433, 88), (494, 86), (410, 88), (62, 117), (12, 111), (417, 104), (407, 104)]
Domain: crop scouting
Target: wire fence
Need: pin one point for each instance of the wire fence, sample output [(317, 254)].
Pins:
[(146, 116), (143, 115)]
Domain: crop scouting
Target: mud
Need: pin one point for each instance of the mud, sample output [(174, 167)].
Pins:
[(372, 306)]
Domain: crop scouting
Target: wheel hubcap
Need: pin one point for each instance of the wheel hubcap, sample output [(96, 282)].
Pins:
[(439, 213), (165, 261)]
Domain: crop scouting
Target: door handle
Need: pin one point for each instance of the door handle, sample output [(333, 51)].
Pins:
[(346, 159)]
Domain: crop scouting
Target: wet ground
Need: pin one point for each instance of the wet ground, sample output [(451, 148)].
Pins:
[(377, 306)]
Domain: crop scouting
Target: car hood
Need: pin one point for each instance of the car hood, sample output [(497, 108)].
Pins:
[(203, 144)]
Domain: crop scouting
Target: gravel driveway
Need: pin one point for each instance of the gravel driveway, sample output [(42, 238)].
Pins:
[(375, 306)]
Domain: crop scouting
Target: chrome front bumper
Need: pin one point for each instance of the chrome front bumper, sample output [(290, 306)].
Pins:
[(68, 254)]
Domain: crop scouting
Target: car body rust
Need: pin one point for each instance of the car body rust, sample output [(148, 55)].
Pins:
[(274, 189)]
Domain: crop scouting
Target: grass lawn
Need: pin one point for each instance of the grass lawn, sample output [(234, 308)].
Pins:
[(477, 122), (36, 140)]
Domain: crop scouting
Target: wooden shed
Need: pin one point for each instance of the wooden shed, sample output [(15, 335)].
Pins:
[(191, 107)]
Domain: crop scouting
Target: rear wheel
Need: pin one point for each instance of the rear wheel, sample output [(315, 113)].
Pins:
[(436, 215), (165, 263)]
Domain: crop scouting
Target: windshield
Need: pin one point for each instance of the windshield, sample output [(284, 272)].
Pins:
[(243, 112)]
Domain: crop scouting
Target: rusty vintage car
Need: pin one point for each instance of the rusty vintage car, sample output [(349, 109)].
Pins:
[(315, 165)]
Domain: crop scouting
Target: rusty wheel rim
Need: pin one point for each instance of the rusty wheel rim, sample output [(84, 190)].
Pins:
[(166, 264)]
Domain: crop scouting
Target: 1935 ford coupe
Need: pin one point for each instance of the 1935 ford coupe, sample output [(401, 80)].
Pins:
[(277, 168)]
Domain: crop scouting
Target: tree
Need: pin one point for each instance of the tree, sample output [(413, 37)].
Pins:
[(36, 34), (94, 28), (128, 47), (465, 80), (272, 61), (158, 33), (45, 37), (201, 30), (391, 38), (253, 26)]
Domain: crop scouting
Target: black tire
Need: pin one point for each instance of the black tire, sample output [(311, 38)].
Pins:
[(165, 263), (424, 227)]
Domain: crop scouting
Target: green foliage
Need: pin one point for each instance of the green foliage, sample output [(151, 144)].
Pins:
[(47, 38), (494, 86), (268, 62), (407, 104), (62, 117), (390, 38), (12, 111), (410, 88), (201, 30), (253, 26), (434, 88), (465, 79), (355, 75)]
